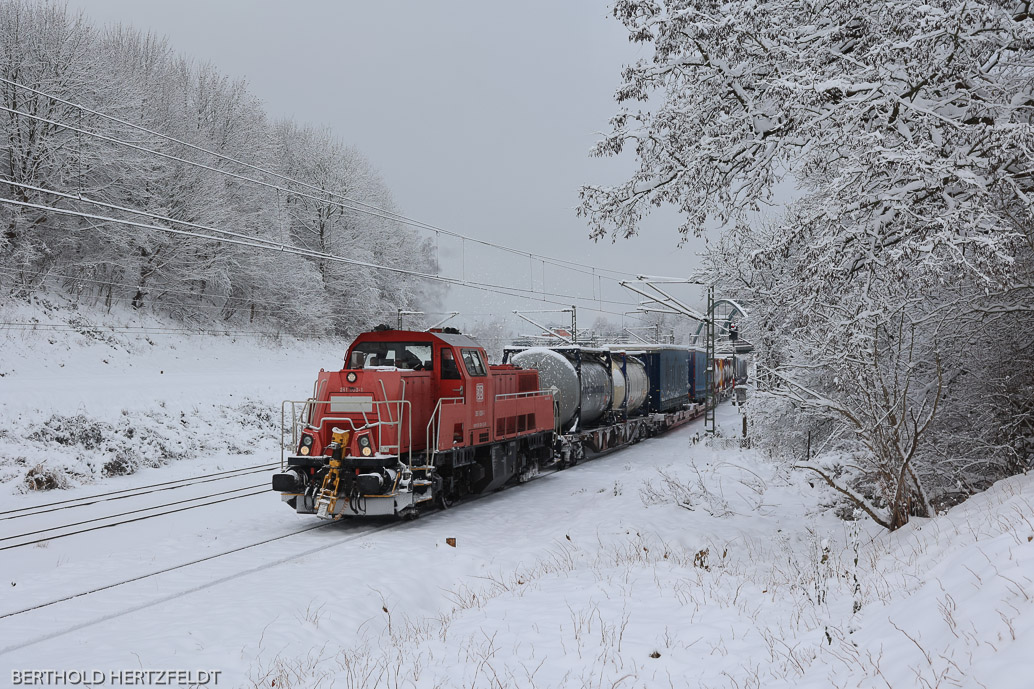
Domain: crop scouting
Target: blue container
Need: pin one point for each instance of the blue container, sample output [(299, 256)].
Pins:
[(668, 371), (698, 376)]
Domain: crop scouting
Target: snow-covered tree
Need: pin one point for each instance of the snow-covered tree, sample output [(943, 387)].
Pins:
[(115, 169), (904, 131)]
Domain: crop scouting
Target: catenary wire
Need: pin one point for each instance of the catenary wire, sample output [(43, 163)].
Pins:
[(163, 291), (501, 289), (364, 207), (244, 240), (188, 293), (267, 243)]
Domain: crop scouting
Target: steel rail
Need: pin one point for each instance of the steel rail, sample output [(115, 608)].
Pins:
[(125, 521), (140, 490)]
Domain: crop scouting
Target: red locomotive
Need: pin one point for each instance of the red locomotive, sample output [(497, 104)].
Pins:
[(413, 417)]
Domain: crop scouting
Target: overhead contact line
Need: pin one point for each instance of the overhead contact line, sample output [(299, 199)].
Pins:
[(358, 206)]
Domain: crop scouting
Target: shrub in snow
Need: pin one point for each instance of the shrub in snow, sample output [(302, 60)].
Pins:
[(123, 463), (79, 448), (41, 477)]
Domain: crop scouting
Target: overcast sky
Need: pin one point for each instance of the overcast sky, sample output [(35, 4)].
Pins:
[(480, 116)]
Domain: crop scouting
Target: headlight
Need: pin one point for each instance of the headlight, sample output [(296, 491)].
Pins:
[(364, 441), (305, 449), (366, 451), (351, 377)]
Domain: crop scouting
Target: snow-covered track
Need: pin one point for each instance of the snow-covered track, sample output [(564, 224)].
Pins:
[(181, 565), (365, 528), (368, 531), (133, 492), (148, 512), (322, 524)]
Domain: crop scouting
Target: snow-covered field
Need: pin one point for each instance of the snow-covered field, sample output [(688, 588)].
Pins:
[(669, 564), (95, 398)]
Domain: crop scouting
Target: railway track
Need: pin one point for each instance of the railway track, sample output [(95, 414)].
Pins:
[(365, 527), (64, 530), (54, 532), (43, 533), (320, 525), (125, 493), (164, 570)]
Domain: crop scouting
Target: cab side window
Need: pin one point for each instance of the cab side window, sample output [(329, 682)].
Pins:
[(450, 371), (472, 362)]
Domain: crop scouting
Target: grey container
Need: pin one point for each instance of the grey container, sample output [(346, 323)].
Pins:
[(591, 390), (618, 394), (637, 384)]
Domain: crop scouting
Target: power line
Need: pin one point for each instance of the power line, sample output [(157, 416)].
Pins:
[(228, 297), (268, 244), (243, 240), (163, 291), (363, 206), (149, 330), (168, 330), (257, 242)]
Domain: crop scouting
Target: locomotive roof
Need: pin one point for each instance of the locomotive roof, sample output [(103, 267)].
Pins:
[(392, 335), (457, 340)]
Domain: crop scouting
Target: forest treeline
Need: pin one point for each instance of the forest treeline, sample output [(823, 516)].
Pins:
[(153, 165)]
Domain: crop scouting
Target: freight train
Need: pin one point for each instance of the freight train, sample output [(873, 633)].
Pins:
[(417, 418)]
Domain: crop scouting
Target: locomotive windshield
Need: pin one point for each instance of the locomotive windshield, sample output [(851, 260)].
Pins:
[(415, 356), (472, 362)]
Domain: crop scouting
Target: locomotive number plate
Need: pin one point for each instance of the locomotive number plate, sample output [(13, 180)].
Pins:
[(351, 404)]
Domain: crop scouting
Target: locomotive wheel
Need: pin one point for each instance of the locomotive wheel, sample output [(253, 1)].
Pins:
[(438, 487)]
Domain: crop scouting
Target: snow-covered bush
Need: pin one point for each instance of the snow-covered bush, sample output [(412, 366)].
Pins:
[(61, 451)]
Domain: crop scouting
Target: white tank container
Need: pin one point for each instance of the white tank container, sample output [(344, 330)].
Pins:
[(617, 398), (591, 390), (637, 384)]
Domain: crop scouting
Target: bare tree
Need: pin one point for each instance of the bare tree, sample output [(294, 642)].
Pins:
[(883, 395)]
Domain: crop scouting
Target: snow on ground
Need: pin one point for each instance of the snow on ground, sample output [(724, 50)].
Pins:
[(667, 564), (86, 402)]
